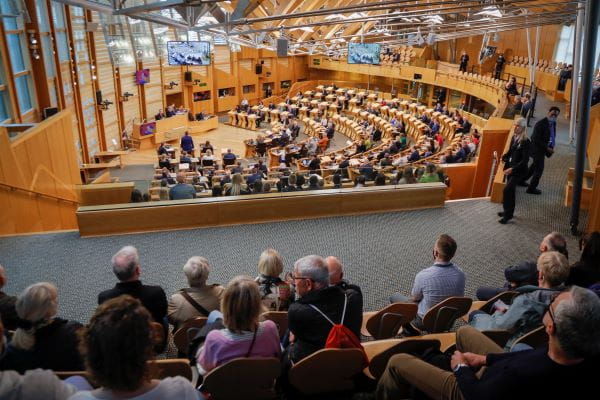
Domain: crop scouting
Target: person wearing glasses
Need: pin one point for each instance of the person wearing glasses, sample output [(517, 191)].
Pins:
[(308, 328), (527, 309), (564, 368)]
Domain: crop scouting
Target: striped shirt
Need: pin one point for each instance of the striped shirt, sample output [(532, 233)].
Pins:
[(437, 283)]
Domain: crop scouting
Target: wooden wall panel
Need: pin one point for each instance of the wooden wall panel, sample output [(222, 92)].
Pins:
[(42, 159), (153, 91), (131, 107)]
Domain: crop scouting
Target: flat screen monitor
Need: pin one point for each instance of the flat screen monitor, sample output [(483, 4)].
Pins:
[(142, 76), (148, 129), (188, 53), (363, 53)]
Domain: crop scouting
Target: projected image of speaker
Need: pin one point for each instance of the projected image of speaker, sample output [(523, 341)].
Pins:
[(258, 69), (98, 96), (282, 47)]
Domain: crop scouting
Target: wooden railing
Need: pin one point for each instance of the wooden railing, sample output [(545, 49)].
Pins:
[(37, 194)]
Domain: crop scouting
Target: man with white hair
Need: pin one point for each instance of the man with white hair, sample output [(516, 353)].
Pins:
[(564, 368), (199, 299), (7, 305), (126, 266), (308, 327), (336, 277)]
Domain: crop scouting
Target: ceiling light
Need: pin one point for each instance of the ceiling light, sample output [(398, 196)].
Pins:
[(334, 16), (304, 28), (491, 11)]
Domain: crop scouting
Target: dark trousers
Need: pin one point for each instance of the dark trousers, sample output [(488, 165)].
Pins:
[(497, 74), (462, 67), (536, 169), (509, 194)]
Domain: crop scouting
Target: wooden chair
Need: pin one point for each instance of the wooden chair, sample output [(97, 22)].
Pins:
[(441, 317), (243, 378), (386, 323), (327, 371), (280, 318), (170, 368), (181, 338), (535, 338), (487, 306), (379, 362)]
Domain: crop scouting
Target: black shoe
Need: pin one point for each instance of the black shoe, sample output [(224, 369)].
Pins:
[(523, 184), (501, 214), (503, 220), (533, 191)]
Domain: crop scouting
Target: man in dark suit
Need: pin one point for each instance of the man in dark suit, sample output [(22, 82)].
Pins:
[(515, 168), (126, 266), (315, 164), (414, 156), (464, 60), (543, 141)]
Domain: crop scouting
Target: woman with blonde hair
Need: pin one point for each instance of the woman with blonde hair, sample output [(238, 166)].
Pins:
[(43, 340), (236, 187), (276, 294), (243, 335), (515, 168)]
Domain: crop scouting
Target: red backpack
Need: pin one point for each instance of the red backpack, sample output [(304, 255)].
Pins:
[(340, 337)]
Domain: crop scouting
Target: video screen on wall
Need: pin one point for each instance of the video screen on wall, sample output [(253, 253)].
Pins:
[(363, 53), (188, 53), (142, 76), (148, 129)]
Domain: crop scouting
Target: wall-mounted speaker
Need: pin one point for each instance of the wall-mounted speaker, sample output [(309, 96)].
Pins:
[(98, 97), (188, 76), (282, 47), (262, 62), (258, 69), (417, 76), (48, 112)]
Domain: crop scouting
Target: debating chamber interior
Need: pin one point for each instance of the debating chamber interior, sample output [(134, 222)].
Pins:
[(299, 199)]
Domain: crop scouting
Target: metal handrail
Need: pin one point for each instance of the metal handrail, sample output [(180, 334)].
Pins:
[(13, 188)]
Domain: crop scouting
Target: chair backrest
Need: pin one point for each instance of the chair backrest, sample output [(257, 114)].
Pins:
[(441, 317), (280, 318), (506, 297), (387, 322), (170, 368), (327, 371), (181, 338), (243, 378), (535, 338), (416, 345)]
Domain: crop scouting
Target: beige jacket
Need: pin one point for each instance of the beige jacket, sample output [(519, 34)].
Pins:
[(180, 310)]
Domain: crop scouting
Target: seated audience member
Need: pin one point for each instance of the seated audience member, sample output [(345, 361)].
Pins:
[(200, 116), (511, 87), (136, 196), (236, 187), (187, 143), (160, 115), (336, 278), (323, 143), (266, 187), (255, 176), (185, 158), (167, 175), (199, 299), (586, 271), (182, 190), (291, 183), (229, 158), (275, 294), (408, 176), (162, 149), (525, 273), (126, 266), (34, 384), (164, 161), (117, 345), (567, 366), (8, 312), (257, 187), (243, 335), (217, 191), (314, 164), (300, 181), (42, 340), (208, 159), (163, 194), (436, 283), (207, 146), (430, 175), (527, 309), (449, 157), (380, 179), (414, 155), (308, 327), (337, 181), (313, 182), (361, 181)]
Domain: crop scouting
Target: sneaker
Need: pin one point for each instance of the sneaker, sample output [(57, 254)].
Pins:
[(533, 191)]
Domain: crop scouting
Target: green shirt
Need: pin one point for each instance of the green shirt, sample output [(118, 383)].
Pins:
[(428, 178)]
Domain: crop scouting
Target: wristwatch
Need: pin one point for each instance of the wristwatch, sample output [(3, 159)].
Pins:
[(459, 366)]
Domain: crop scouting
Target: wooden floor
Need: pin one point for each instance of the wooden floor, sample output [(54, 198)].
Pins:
[(225, 136)]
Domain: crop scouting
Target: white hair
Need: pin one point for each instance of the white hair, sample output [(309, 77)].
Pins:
[(125, 262), (196, 270), (313, 267), (35, 306)]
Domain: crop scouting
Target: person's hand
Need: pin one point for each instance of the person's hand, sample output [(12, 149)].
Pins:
[(508, 171), (474, 360), (457, 358)]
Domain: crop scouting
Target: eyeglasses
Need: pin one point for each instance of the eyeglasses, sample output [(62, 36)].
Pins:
[(300, 277), (550, 312)]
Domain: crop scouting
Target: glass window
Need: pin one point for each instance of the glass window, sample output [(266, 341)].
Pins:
[(3, 106), (42, 12), (48, 56), (16, 54), (58, 15), (10, 8), (23, 94), (63, 46)]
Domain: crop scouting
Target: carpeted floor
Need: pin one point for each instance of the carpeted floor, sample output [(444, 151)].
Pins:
[(382, 252)]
